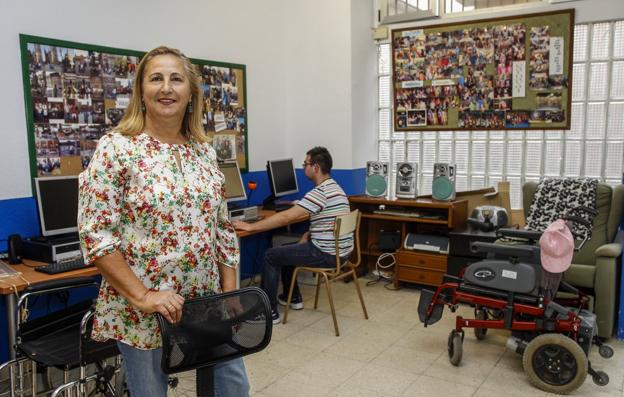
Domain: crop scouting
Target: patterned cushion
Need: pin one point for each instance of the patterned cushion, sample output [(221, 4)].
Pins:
[(556, 197)]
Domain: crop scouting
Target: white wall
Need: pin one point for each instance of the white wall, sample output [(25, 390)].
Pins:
[(317, 37), (227, 30), (597, 10), (364, 84), (331, 79), (300, 79), (309, 65)]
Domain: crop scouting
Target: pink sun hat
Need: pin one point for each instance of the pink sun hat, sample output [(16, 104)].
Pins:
[(556, 247)]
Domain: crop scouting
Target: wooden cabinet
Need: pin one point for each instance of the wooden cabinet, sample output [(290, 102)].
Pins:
[(419, 267), (408, 216)]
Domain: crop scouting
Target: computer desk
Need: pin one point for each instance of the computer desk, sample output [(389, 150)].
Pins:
[(266, 214), (8, 286)]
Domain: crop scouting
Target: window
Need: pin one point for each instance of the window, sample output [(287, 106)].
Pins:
[(453, 6), (416, 8), (593, 147)]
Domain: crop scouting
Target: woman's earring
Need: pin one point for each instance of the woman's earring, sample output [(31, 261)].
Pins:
[(143, 106), (190, 107)]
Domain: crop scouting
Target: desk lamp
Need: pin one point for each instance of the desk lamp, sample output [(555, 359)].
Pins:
[(252, 185)]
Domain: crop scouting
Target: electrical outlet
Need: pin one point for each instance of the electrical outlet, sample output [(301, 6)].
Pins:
[(380, 33)]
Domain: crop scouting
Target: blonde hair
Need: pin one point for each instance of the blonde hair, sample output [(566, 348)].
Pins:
[(133, 121)]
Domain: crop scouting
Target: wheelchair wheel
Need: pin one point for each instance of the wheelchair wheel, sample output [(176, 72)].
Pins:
[(601, 378), (605, 351), (555, 363), (455, 347), (480, 314)]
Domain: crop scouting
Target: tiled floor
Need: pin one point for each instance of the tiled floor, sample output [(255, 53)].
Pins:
[(391, 354)]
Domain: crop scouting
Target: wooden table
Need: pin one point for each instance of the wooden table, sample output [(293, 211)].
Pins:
[(267, 214), (30, 276), (421, 216)]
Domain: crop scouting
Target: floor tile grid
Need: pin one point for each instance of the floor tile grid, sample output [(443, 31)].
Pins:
[(412, 356)]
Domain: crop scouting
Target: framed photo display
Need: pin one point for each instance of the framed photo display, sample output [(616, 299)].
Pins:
[(74, 93), (494, 74)]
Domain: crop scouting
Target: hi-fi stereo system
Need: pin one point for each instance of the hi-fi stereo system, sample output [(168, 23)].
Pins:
[(443, 185), (406, 186), (376, 178), (406, 180)]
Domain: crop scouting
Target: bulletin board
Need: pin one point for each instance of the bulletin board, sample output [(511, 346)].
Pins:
[(494, 74), (74, 93)]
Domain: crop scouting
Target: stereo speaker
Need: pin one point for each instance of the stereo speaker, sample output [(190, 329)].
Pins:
[(16, 249), (443, 186), (376, 178), (406, 180)]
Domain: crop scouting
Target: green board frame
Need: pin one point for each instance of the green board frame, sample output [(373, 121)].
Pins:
[(66, 158), (431, 68)]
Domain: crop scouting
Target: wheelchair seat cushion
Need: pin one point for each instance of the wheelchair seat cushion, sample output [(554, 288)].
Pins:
[(57, 349), (498, 294), (54, 339)]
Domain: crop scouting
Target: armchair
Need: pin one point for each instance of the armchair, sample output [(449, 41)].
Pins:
[(595, 268)]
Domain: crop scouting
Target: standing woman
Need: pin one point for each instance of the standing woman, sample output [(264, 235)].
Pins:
[(153, 219)]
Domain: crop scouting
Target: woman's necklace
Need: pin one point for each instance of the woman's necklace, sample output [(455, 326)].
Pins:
[(176, 140)]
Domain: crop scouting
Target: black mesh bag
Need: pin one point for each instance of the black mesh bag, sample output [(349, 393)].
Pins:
[(216, 328)]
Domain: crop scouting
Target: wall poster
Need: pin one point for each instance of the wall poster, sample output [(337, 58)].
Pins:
[(504, 73), (74, 93)]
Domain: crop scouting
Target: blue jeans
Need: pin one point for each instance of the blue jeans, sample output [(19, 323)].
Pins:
[(283, 260), (145, 378)]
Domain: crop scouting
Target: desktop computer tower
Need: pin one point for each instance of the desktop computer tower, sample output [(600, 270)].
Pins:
[(51, 249)]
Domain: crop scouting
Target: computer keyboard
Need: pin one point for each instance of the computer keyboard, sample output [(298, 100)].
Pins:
[(62, 267), (397, 212), (282, 207)]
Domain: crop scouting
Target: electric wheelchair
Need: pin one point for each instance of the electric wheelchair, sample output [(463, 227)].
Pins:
[(510, 290)]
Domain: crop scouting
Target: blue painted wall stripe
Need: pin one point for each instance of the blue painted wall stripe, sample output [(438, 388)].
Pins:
[(21, 215), (18, 216)]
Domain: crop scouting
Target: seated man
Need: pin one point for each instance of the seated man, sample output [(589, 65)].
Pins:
[(317, 247)]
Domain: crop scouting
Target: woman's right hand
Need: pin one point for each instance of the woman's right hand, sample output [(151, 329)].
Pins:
[(167, 303)]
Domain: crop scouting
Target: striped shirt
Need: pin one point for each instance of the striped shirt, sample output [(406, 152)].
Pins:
[(324, 203)]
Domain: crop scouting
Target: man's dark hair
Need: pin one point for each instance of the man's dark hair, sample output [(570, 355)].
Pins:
[(319, 155)]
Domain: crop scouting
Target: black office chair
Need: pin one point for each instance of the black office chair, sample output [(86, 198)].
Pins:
[(214, 329), (61, 339)]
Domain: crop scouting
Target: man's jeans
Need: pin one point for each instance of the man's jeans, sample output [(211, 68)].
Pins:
[(145, 378), (283, 260)]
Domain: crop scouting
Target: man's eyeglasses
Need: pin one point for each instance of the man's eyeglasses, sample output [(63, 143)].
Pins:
[(306, 163)]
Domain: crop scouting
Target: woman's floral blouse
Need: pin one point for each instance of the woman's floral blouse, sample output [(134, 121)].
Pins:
[(170, 224)]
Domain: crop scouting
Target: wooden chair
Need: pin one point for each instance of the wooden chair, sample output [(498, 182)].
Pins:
[(345, 224)]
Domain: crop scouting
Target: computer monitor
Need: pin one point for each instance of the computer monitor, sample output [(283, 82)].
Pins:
[(234, 188), (282, 180), (57, 199), (282, 177)]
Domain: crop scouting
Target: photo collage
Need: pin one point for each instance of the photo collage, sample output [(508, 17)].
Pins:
[(79, 95), (469, 77), (224, 110)]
